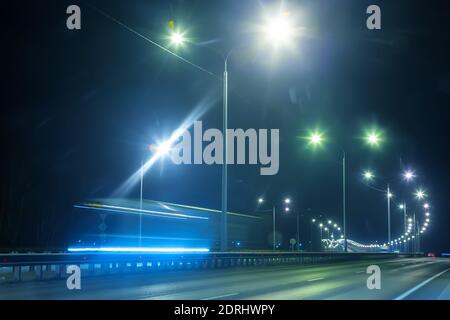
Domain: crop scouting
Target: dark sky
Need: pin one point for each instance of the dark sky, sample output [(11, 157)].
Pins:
[(81, 107)]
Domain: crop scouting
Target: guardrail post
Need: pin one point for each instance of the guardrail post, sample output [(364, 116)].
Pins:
[(17, 271), (38, 272), (105, 268), (91, 268), (62, 271)]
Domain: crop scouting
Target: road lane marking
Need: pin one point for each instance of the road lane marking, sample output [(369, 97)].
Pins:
[(222, 296), (361, 271), (420, 285), (315, 279)]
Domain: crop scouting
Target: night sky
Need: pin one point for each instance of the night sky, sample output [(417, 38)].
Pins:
[(80, 108)]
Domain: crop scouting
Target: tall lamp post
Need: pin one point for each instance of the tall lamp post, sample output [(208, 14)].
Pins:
[(321, 235), (344, 218), (278, 31), (369, 176), (140, 203), (389, 196), (224, 220), (286, 201), (316, 139)]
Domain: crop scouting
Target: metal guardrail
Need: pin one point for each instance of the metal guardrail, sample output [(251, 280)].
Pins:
[(46, 266)]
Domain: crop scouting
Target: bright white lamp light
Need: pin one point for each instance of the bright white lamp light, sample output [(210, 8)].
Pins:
[(368, 175), (408, 175), (164, 148), (420, 194), (279, 31), (177, 38)]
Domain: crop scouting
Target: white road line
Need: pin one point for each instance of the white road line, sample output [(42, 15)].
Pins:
[(222, 296), (420, 285), (315, 279)]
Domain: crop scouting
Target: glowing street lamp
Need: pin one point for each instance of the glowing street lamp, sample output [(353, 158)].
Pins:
[(177, 39), (279, 31), (408, 175), (315, 138), (420, 194), (373, 138), (368, 175), (260, 200), (426, 206), (164, 148)]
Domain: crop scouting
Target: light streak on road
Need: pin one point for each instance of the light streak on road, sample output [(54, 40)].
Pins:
[(138, 249), (137, 211)]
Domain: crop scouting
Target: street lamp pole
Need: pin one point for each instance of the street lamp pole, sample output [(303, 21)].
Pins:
[(415, 234), (273, 231), (140, 204), (321, 239), (343, 201), (298, 231), (418, 236), (404, 219), (224, 222), (404, 215), (389, 214)]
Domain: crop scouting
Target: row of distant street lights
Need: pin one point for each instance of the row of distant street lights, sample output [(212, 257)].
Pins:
[(374, 138), (328, 226), (411, 232), (317, 138)]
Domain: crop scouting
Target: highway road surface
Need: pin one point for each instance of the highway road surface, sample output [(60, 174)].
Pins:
[(418, 278)]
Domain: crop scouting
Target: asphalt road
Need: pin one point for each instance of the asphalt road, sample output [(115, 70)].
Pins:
[(420, 278)]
